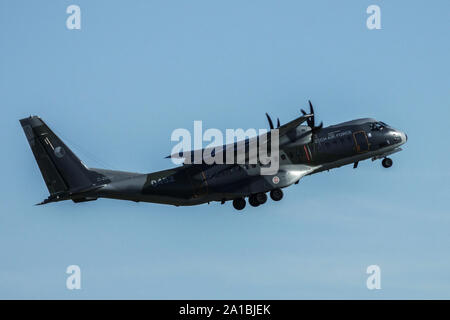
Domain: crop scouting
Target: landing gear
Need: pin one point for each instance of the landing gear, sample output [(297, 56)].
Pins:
[(387, 162), (253, 200), (257, 199), (239, 203), (261, 197), (276, 194)]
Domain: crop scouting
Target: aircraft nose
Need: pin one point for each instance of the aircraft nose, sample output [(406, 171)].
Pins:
[(403, 136)]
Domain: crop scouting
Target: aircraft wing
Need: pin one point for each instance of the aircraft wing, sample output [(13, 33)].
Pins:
[(218, 151), (282, 131)]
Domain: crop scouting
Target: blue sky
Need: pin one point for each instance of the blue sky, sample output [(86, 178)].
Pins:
[(137, 70)]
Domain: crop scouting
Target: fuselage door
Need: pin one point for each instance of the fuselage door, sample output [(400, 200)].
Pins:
[(361, 141)]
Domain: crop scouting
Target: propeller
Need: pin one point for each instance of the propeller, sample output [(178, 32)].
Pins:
[(271, 123), (311, 121)]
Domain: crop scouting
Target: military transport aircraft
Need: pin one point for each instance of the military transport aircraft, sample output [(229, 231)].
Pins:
[(303, 150)]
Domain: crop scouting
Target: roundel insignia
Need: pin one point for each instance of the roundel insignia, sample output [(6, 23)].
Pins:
[(275, 179), (59, 152)]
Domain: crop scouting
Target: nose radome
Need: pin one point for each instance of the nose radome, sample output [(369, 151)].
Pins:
[(403, 136)]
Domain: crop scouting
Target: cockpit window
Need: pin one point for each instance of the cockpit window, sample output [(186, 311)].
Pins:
[(378, 126)]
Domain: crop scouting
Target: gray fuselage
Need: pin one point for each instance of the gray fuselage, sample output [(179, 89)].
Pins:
[(331, 147)]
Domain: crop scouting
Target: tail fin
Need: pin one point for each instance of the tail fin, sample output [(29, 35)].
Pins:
[(61, 169)]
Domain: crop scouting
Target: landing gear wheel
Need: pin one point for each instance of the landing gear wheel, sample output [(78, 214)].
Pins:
[(276, 194), (253, 200), (261, 197), (387, 162), (239, 203)]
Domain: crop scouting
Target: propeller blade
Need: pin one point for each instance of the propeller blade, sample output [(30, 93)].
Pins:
[(278, 122), (270, 121), (320, 125), (311, 107), (312, 121)]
